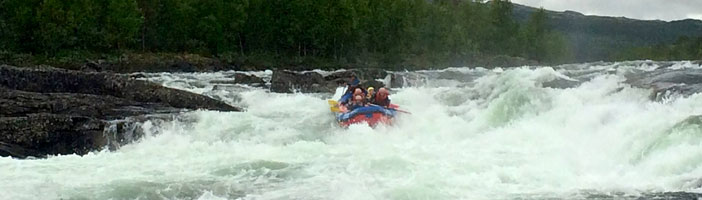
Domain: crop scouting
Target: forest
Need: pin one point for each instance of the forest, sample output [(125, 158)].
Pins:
[(684, 48), (390, 32), (278, 33)]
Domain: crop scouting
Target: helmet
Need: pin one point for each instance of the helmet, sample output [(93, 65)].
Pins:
[(383, 93), (357, 91), (370, 92)]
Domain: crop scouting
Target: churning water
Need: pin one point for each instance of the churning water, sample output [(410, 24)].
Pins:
[(472, 134)]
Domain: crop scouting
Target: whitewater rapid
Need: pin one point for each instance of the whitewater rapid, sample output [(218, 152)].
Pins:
[(473, 134)]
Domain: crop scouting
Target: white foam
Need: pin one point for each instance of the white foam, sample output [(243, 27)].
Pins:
[(501, 137)]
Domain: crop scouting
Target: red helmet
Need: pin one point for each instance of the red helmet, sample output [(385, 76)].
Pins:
[(382, 93)]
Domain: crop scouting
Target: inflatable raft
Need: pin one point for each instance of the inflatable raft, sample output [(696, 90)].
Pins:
[(371, 115)]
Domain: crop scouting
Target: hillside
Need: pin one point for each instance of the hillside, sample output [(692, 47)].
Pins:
[(594, 38)]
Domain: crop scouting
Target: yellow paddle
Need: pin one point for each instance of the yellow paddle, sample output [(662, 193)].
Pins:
[(333, 105)]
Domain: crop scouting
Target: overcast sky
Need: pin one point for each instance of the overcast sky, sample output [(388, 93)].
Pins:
[(638, 9)]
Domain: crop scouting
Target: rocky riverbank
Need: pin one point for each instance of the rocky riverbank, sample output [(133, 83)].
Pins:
[(49, 111)]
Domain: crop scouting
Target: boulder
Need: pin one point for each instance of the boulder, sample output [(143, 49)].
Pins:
[(100, 83), (48, 111), (42, 134), (685, 76), (21, 103), (372, 83), (288, 81), (362, 73), (182, 66), (241, 78), (561, 83), (397, 80), (669, 83), (665, 90)]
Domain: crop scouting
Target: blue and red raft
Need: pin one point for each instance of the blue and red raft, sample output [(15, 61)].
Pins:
[(371, 114)]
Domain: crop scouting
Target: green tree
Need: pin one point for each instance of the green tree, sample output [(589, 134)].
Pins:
[(535, 36), (504, 29), (122, 24), (67, 25)]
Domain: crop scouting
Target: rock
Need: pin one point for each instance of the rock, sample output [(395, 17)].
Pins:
[(17, 151), (21, 103), (91, 66), (686, 76), (41, 134), (242, 78), (137, 75), (665, 90), (99, 83), (362, 74), (341, 75), (561, 83), (370, 73), (182, 66), (288, 81), (48, 111), (668, 83), (373, 83), (397, 81), (225, 82), (121, 132)]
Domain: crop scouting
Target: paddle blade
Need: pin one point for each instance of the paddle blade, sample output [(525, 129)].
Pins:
[(333, 106)]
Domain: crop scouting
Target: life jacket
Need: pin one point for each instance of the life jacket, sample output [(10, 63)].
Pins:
[(381, 102), (347, 97)]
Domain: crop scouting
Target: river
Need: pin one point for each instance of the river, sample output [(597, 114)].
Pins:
[(473, 133)]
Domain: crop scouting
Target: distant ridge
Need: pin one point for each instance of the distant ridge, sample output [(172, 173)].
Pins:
[(595, 38)]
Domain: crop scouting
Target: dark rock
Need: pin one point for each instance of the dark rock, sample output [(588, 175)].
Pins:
[(21, 103), (242, 78), (182, 66), (121, 132), (137, 75), (561, 83), (288, 81), (91, 66), (373, 83), (505, 61), (362, 74), (47, 111), (341, 75), (370, 73), (17, 151), (226, 82), (51, 134), (397, 81), (668, 83), (686, 76), (664, 90), (64, 81)]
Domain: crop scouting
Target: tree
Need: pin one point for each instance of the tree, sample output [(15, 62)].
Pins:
[(67, 25), (122, 23), (503, 30)]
